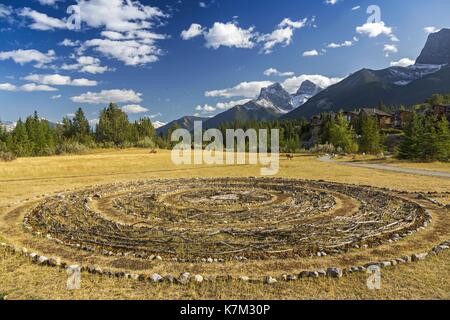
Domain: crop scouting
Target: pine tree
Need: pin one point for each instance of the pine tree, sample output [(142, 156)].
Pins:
[(21, 145), (81, 127), (67, 128), (113, 126), (325, 127), (3, 139), (429, 147), (411, 147), (370, 141), (443, 140)]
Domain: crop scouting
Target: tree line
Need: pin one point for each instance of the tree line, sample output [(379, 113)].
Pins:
[(38, 137), (425, 137)]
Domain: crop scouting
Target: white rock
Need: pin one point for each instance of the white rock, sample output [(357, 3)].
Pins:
[(270, 280), (156, 277)]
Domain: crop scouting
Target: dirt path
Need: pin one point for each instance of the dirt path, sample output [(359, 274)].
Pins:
[(385, 167)]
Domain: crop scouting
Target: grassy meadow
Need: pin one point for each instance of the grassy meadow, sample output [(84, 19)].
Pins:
[(28, 178)]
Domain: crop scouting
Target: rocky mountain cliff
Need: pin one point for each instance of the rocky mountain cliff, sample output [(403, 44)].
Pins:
[(437, 49)]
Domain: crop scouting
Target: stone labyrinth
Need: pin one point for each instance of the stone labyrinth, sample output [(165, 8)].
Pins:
[(225, 219)]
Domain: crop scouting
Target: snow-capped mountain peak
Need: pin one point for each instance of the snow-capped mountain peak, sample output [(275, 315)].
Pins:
[(275, 97), (8, 125), (404, 75), (307, 90)]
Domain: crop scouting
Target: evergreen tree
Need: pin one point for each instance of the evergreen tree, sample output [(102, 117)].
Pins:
[(370, 141), (342, 135), (67, 128), (145, 129), (411, 147), (113, 126), (428, 141), (81, 128), (325, 127), (436, 99), (21, 145), (443, 140), (3, 139)]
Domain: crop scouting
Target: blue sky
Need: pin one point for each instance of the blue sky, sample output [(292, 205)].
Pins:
[(136, 53)]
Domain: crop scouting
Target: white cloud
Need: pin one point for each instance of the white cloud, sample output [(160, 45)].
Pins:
[(144, 36), (405, 62), (292, 84), (205, 108), (243, 89), (208, 109), (42, 21), (332, 2), (431, 29), (356, 8), (131, 52), (231, 104), (282, 35), (311, 53), (121, 20), (48, 2), (390, 48), (58, 96), (107, 96), (134, 109), (25, 56), (293, 24), (87, 64), (69, 43), (274, 72), (229, 35), (376, 29), (59, 80), (7, 87), (334, 45), (119, 15), (5, 11), (194, 30), (31, 87)]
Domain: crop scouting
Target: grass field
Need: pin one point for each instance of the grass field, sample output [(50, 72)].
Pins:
[(27, 178)]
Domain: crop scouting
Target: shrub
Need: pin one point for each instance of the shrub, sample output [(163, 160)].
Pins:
[(147, 142), (71, 147), (7, 156), (323, 149)]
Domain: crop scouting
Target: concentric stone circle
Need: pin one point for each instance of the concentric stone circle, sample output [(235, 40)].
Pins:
[(225, 218)]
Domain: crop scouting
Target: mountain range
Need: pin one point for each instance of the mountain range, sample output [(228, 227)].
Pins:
[(365, 88), (182, 123), (391, 86), (273, 102)]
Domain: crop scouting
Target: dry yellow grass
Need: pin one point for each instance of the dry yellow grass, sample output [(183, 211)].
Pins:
[(27, 178)]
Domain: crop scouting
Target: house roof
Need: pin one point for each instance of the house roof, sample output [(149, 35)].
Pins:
[(377, 112)]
